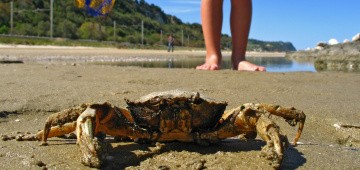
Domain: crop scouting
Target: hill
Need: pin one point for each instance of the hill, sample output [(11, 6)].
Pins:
[(123, 24)]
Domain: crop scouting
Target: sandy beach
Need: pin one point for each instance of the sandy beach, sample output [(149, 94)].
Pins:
[(91, 54), (31, 91)]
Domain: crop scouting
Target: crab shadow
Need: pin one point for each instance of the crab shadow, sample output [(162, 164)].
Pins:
[(127, 154), (293, 159)]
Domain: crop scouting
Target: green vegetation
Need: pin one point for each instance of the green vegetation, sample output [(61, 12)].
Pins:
[(31, 18), (256, 45)]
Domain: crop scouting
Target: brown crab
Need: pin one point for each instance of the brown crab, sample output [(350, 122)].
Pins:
[(170, 116)]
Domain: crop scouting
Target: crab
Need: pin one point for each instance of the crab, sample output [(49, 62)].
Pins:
[(170, 116)]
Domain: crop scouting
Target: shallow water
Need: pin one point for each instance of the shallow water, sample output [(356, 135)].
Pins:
[(272, 64), (281, 64)]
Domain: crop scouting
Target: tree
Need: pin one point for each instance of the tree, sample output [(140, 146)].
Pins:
[(91, 30), (42, 28)]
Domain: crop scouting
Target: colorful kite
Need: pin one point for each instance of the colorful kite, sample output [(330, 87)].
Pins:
[(96, 7)]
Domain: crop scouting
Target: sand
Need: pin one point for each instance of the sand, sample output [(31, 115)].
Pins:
[(32, 91)]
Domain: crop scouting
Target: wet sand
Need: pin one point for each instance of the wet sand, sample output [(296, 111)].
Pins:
[(67, 54), (32, 91)]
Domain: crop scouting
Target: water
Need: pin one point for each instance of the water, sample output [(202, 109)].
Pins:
[(281, 64), (272, 64)]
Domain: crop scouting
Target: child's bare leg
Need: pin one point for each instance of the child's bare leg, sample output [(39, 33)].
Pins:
[(211, 15), (240, 20)]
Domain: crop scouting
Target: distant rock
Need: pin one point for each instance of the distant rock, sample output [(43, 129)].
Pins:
[(342, 56), (333, 41), (356, 37), (320, 45)]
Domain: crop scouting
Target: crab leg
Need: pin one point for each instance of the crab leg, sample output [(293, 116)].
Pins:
[(57, 124), (61, 123), (250, 119), (50, 132), (291, 115)]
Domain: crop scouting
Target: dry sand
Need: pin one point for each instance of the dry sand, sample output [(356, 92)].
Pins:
[(32, 91)]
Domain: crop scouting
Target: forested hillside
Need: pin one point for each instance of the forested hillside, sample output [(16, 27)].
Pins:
[(122, 24)]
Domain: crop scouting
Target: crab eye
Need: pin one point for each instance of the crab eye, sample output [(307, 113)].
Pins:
[(198, 101), (155, 100)]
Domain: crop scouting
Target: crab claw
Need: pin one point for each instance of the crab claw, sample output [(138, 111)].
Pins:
[(93, 151), (250, 119), (275, 142), (100, 119)]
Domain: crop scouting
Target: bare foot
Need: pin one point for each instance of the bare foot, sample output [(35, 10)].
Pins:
[(247, 66), (207, 66), (211, 63)]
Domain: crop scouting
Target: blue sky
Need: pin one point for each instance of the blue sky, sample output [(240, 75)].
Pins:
[(302, 22)]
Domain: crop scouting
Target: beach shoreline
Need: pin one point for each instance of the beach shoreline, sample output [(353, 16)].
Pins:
[(65, 53)]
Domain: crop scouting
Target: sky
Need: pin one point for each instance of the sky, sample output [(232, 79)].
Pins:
[(301, 22)]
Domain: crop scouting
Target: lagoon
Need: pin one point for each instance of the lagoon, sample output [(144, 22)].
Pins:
[(272, 64)]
